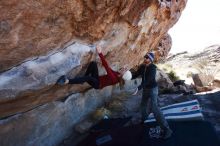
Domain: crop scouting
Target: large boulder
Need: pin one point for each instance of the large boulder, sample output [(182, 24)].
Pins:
[(216, 83), (202, 79), (49, 124), (42, 40), (163, 80)]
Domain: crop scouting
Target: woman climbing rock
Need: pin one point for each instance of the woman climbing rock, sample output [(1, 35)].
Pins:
[(93, 78)]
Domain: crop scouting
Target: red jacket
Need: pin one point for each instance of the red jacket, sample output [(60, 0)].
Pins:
[(112, 76)]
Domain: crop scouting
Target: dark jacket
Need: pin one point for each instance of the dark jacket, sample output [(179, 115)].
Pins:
[(148, 74)]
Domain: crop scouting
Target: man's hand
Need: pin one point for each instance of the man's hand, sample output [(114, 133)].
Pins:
[(122, 70), (98, 49)]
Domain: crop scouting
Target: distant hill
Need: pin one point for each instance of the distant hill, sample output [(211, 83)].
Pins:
[(206, 61)]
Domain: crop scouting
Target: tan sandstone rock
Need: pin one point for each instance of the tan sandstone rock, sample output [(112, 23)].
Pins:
[(44, 39)]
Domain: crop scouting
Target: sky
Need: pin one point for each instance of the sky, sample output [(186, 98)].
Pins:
[(198, 26)]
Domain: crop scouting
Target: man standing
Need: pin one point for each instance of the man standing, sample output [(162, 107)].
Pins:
[(150, 94)]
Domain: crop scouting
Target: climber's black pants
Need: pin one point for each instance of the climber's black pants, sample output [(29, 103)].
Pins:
[(91, 76)]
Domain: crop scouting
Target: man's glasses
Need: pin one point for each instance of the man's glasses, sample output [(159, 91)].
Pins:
[(146, 57)]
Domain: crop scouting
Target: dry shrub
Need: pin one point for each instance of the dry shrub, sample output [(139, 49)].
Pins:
[(100, 113), (116, 106)]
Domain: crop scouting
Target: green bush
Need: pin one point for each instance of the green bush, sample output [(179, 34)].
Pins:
[(173, 77)]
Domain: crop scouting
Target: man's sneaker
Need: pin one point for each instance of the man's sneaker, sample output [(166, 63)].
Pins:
[(62, 80), (166, 134)]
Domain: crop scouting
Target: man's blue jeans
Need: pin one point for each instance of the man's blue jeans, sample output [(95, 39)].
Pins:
[(149, 104)]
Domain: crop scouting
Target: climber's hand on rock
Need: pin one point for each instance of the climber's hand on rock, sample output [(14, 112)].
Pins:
[(98, 49)]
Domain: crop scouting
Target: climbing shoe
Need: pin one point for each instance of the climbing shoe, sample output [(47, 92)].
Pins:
[(62, 80)]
